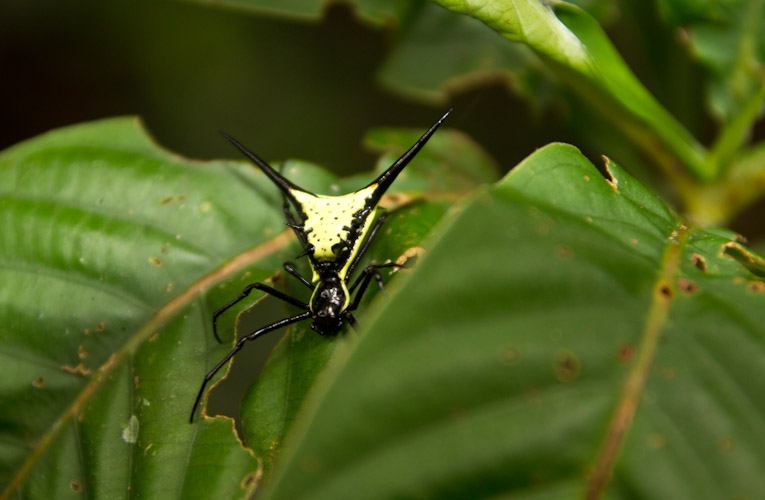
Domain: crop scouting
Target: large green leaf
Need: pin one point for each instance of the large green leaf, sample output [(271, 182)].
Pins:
[(451, 163), (113, 255), (108, 245), (576, 45), (272, 405), (563, 336)]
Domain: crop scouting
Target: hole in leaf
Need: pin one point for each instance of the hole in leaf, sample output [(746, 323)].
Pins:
[(700, 263), (665, 291)]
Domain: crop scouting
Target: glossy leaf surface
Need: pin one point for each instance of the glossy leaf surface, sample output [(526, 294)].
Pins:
[(572, 39), (560, 331), (114, 254)]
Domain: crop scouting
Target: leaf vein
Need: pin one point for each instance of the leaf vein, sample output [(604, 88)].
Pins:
[(634, 385)]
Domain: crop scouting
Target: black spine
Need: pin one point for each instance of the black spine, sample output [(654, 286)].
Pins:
[(386, 178), (283, 184)]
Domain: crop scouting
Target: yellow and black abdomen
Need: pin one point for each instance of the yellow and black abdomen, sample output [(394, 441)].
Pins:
[(335, 226)]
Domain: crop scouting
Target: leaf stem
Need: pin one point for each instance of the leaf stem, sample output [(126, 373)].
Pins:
[(736, 132)]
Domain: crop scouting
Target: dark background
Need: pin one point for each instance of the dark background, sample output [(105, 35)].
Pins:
[(301, 89), (286, 88)]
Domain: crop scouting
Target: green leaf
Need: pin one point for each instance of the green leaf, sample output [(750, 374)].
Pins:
[(376, 12), (563, 335), (727, 37), (113, 255), (437, 52), (449, 165), (106, 240), (272, 404), (576, 46)]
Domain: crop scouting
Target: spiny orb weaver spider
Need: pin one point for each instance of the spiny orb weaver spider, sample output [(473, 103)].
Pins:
[(333, 233)]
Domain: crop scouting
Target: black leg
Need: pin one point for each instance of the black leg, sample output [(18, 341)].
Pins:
[(364, 279), (351, 320), (372, 271), (255, 286), (371, 236), (239, 344), (288, 267)]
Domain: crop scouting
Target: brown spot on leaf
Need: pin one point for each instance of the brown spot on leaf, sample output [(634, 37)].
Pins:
[(656, 441), (566, 366), (756, 286), (667, 372), (39, 382), (565, 252), (82, 353), (155, 261), (173, 198), (509, 355), (75, 486), (626, 353), (77, 370), (665, 290), (687, 286), (100, 327), (700, 262), (726, 444), (634, 241)]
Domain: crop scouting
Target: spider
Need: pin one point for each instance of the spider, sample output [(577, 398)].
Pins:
[(335, 232)]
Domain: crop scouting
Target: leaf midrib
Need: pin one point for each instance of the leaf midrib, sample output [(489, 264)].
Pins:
[(635, 381), (133, 343)]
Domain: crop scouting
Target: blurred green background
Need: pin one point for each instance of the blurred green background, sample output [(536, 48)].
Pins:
[(309, 88)]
